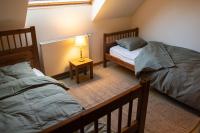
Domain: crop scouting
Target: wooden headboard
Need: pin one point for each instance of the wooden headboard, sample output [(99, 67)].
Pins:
[(110, 38), (110, 41), (18, 46)]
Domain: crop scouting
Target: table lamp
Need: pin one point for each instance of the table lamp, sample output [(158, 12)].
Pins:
[(80, 42)]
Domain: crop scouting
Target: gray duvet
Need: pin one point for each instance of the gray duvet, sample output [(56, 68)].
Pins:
[(172, 70), (32, 104), (25, 108)]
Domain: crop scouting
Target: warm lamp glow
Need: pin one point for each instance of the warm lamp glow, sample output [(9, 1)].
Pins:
[(80, 41)]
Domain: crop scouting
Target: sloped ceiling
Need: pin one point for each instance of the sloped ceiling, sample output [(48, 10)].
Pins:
[(12, 14), (116, 9)]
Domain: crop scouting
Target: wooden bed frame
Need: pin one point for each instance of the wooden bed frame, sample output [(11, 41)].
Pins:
[(18, 52), (110, 41), (18, 46)]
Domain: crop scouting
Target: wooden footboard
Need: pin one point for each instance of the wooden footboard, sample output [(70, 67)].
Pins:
[(78, 122), (110, 41)]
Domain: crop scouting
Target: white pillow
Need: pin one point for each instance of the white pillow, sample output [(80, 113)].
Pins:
[(38, 72)]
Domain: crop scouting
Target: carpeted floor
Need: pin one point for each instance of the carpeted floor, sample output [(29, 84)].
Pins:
[(164, 115)]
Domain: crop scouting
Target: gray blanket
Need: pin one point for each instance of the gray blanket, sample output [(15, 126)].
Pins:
[(25, 110), (31, 104), (172, 70)]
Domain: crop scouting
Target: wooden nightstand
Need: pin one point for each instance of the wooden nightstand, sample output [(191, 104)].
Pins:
[(77, 65)]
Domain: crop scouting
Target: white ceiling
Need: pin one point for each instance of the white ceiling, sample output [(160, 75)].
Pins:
[(117, 9)]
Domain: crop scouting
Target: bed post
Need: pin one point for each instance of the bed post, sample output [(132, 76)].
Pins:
[(35, 47), (104, 51), (142, 105)]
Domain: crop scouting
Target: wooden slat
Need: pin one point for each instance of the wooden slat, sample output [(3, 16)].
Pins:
[(26, 39), (126, 34), (14, 39), (20, 40), (130, 113), (120, 120), (109, 122), (96, 126), (136, 33), (8, 42), (117, 37), (108, 40), (2, 44), (114, 37)]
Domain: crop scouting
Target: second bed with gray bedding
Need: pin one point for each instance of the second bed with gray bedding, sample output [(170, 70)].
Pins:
[(172, 70)]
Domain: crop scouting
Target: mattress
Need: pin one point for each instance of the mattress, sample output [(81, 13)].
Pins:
[(124, 54)]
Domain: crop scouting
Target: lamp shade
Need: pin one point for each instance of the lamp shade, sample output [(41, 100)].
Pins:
[(80, 41)]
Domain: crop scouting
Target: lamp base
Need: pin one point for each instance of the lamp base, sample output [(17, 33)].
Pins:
[(81, 60)]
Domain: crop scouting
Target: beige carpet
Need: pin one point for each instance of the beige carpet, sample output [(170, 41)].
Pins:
[(164, 115)]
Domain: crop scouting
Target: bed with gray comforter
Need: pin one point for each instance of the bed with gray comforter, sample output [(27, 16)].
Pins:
[(172, 70), (30, 104)]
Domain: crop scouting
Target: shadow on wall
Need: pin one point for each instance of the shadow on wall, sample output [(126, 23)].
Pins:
[(13, 14)]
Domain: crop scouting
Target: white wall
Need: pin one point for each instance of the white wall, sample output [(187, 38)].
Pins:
[(56, 55), (176, 22), (12, 14), (61, 22)]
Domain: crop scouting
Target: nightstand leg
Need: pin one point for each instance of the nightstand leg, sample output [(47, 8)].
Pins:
[(91, 70), (70, 71), (77, 75), (85, 70)]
